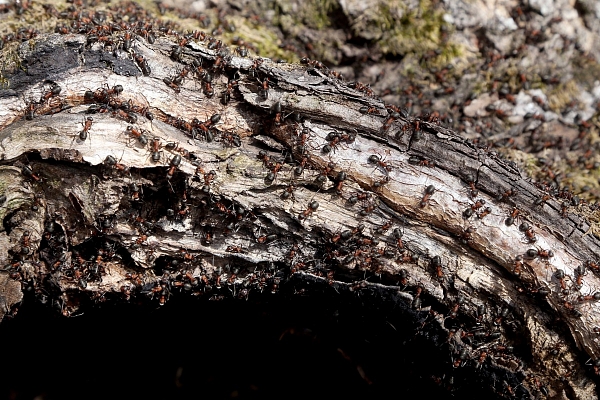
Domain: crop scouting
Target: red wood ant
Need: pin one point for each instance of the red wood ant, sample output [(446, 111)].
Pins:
[(264, 91), (513, 215), (528, 231), (368, 110), (137, 134), (312, 207), (484, 213), (175, 161), (594, 297), (55, 90), (155, 149), (29, 111), (169, 82), (428, 192), (506, 194), (87, 124), (234, 249), (226, 95), (560, 275), (518, 267), (387, 123), (375, 159), (28, 172), (436, 262), (398, 236)]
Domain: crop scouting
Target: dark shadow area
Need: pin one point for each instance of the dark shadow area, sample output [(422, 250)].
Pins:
[(268, 347)]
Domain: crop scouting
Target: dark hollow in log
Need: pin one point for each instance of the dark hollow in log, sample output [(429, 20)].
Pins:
[(170, 171)]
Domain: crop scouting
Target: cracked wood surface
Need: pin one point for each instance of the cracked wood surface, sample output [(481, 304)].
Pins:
[(240, 229)]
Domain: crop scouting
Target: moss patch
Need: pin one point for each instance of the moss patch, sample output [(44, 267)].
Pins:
[(266, 41), (563, 94), (412, 31), (314, 14)]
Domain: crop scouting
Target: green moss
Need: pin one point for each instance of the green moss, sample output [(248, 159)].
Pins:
[(9, 62), (265, 40), (561, 95), (585, 71), (419, 31), (314, 14)]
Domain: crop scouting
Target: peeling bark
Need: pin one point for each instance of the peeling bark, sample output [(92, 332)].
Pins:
[(395, 213)]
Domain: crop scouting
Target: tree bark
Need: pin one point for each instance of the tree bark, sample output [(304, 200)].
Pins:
[(303, 176)]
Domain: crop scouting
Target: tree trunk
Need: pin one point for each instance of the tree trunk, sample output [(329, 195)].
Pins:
[(284, 172)]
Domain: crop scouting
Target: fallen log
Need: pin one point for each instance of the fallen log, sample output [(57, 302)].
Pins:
[(172, 170)]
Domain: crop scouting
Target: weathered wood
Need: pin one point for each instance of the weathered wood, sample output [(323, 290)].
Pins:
[(83, 226)]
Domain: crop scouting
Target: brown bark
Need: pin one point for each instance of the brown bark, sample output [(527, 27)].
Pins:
[(81, 226)]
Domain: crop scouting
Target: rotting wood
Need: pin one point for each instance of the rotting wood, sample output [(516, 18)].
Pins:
[(101, 218)]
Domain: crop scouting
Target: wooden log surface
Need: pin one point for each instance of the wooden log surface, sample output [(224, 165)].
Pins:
[(289, 176)]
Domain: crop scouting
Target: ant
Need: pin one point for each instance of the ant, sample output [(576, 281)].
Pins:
[(579, 273), (200, 72), (172, 85), (155, 147), (528, 231), (289, 192), (427, 163), (312, 206), (266, 239), (542, 200), (362, 196), (380, 183), (54, 91), (178, 80), (478, 204), (175, 161), (473, 192), (264, 91), (28, 172), (367, 210), (518, 267), (333, 139), (511, 219), (232, 139), (388, 122), (593, 265), (207, 85), (341, 177), (484, 213), (466, 235), (87, 124), (375, 159), (397, 233), (209, 177), (544, 254), (278, 113), (127, 41), (428, 192), (234, 249), (506, 194), (594, 297), (560, 275), (384, 228), (29, 111), (226, 95), (137, 134), (436, 262), (128, 117), (368, 110)]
